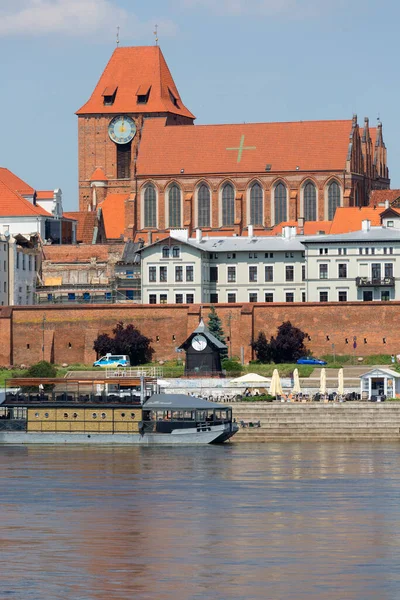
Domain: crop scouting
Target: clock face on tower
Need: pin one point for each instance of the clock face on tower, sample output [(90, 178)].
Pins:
[(199, 342), (122, 129)]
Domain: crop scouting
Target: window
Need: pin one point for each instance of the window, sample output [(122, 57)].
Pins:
[(390, 224), (179, 273), (384, 251), (289, 272), (269, 297), (376, 271), (203, 206), (23, 263), (385, 295), (228, 205), (253, 297), (372, 250), (323, 296), (280, 203), (367, 296), (256, 204), (150, 206), (360, 251), (174, 206), (342, 296), (86, 296), (269, 273), (231, 274), (214, 298), (288, 254), (303, 296), (152, 273), (124, 156), (49, 297), (390, 250), (231, 297), (269, 255), (342, 270), (342, 251), (333, 199), (253, 274), (189, 298), (303, 272), (310, 202), (388, 269), (163, 274), (189, 273), (129, 294), (178, 298), (176, 252), (71, 296), (18, 260), (213, 273), (323, 271), (163, 298), (232, 255), (152, 299), (289, 296), (321, 251), (129, 274)]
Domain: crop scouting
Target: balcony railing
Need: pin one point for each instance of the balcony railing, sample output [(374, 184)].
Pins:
[(372, 282)]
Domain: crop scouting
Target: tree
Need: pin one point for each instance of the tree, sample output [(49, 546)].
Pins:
[(215, 327), (40, 370), (127, 340), (262, 348), (288, 346)]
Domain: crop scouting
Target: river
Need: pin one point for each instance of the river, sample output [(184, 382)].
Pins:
[(243, 522)]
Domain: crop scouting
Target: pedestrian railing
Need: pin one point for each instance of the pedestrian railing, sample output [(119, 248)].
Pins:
[(134, 372)]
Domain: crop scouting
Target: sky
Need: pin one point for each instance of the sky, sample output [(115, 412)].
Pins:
[(233, 61)]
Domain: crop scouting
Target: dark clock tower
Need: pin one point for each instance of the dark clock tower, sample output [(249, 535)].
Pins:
[(203, 353)]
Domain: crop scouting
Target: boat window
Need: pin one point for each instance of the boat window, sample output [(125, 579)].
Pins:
[(103, 415), (46, 415), (122, 415), (94, 415), (132, 415), (36, 415), (65, 415), (75, 415)]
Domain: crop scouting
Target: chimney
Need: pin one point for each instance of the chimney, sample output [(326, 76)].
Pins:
[(250, 231), (198, 236), (287, 232), (301, 222), (366, 225), (387, 204)]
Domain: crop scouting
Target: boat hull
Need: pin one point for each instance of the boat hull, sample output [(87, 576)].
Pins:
[(188, 437)]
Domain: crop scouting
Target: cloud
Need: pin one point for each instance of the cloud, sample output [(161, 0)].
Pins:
[(72, 18), (263, 7)]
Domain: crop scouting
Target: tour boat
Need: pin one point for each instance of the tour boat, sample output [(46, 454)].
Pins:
[(57, 415)]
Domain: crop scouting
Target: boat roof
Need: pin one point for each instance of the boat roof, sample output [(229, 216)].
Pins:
[(179, 402)]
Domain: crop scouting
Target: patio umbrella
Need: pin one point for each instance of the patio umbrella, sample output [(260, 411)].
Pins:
[(322, 382), (340, 383), (275, 387), (251, 378), (296, 382)]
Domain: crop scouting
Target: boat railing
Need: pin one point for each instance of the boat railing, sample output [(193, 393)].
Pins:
[(133, 372), (68, 397), (12, 425)]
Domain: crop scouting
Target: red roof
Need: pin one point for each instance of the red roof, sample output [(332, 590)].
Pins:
[(86, 222), (132, 70), (350, 219), (380, 196), (98, 175), (310, 227), (247, 148), (113, 209), (45, 195), (15, 183), (12, 204)]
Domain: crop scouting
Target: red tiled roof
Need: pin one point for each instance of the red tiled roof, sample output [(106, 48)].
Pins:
[(15, 183), (197, 149), (350, 219), (81, 253), (12, 204), (86, 222), (310, 227), (113, 209), (379, 196), (45, 195), (98, 175), (130, 69)]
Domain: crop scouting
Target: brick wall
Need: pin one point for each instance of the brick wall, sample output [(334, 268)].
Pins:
[(69, 331)]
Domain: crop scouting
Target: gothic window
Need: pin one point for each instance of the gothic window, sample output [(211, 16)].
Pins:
[(228, 205), (333, 199), (174, 206), (150, 206), (280, 203), (310, 202), (124, 155), (256, 205), (203, 206)]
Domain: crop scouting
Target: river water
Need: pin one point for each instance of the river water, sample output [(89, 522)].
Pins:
[(261, 521)]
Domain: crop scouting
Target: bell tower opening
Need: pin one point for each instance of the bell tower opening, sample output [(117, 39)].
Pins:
[(124, 155)]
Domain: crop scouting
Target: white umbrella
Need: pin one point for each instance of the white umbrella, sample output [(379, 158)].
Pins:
[(322, 382), (296, 382), (163, 383), (340, 383), (251, 378), (275, 387)]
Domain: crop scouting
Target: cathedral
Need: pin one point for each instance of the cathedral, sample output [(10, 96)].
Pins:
[(144, 162)]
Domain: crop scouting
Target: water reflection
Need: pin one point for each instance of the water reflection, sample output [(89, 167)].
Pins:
[(279, 521)]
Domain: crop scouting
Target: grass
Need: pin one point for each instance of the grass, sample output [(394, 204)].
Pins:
[(335, 361)]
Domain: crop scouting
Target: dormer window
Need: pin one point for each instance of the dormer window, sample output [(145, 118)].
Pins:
[(173, 99), (109, 95), (143, 94)]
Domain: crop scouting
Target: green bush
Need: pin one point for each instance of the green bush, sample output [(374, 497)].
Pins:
[(42, 369), (230, 366)]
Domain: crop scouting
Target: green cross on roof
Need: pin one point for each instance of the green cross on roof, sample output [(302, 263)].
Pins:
[(241, 148)]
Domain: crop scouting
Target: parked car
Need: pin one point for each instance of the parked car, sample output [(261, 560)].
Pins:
[(310, 360), (113, 360)]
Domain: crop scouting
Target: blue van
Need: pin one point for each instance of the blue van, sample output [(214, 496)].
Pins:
[(113, 360)]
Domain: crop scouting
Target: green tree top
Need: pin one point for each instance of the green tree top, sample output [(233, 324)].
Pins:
[(215, 327)]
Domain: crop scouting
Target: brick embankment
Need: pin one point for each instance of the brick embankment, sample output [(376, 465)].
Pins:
[(318, 422)]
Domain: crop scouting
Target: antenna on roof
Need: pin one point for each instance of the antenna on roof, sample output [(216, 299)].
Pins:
[(156, 34), (117, 36)]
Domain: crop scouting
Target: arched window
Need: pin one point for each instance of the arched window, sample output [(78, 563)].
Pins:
[(150, 206), (203, 206), (256, 204), (165, 252), (174, 206), (280, 203), (228, 205), (333, 199), (310, 202)]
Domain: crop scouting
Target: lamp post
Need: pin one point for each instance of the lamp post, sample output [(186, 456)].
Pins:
[(230, 333), (43, 324)]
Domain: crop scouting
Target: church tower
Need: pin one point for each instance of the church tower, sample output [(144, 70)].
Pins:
[(135, 85)]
